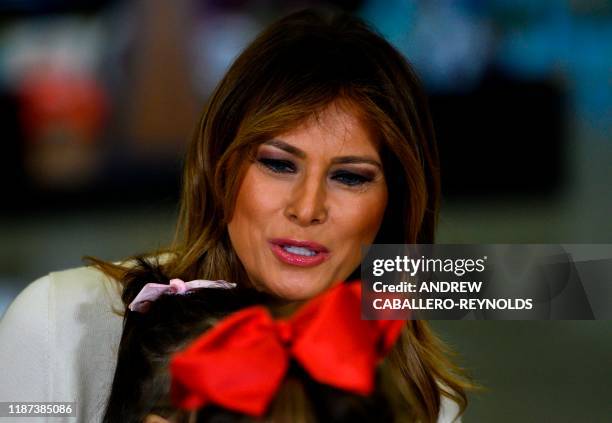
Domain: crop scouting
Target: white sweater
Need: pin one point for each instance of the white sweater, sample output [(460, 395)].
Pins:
[(59, 339), (58, 342)]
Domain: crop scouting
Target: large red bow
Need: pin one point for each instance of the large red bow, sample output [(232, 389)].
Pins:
[(240, 363)]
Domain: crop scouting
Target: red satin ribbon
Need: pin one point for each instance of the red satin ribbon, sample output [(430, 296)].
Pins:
[(240, 363)]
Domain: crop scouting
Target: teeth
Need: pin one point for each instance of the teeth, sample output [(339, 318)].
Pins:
[(299, 250)]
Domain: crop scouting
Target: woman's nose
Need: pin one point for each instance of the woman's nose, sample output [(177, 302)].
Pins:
[(307, 202)]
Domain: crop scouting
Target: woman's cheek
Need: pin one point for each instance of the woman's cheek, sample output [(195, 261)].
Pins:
[(269, 192), (364, 213), (260, 194)]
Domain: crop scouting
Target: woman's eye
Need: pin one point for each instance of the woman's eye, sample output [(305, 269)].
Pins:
[(278, 166), (351, 179)]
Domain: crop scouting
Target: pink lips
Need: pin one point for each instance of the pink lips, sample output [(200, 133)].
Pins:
[(321, 253)]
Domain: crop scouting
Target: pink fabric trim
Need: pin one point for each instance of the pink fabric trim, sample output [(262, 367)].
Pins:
[(152, 291)]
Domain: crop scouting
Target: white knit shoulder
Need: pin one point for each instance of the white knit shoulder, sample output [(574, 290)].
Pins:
[(59, 339)]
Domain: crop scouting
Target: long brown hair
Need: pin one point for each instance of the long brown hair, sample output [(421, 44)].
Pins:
[(289, 73)]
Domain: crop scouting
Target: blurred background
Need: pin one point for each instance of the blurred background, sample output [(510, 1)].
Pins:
[(98, 99)]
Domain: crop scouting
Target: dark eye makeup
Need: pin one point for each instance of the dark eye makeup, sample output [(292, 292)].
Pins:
[(351, 178), (277, 165), (344, 177)]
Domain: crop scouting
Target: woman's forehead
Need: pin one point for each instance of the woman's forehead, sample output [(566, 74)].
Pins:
[(336, 126)]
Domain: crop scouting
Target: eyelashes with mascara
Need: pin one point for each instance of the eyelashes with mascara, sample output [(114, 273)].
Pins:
[(343, 176)]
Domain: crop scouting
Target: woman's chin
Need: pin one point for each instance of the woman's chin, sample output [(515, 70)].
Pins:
[(296, 288)]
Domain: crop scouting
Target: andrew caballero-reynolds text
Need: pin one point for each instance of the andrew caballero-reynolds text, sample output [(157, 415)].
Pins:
[(403, 303)]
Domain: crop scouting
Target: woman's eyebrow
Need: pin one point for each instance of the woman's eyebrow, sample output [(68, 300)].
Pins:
[(356, 159), (336, 160), (286, 147)]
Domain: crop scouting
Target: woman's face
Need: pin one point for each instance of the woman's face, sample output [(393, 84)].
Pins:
[(308, 202)]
